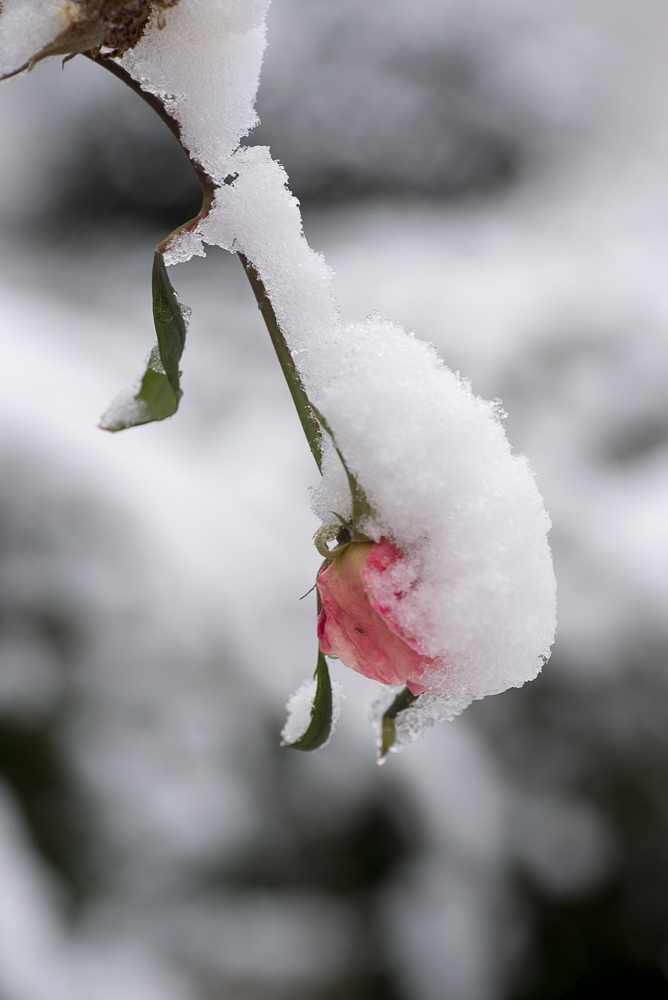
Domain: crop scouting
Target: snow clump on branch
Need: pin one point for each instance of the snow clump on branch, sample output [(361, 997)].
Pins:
[(473, 583)]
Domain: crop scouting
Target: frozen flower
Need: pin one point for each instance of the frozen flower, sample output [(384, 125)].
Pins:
[(358, 626)]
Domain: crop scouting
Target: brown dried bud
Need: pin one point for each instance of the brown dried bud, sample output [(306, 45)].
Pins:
[(111, 27)]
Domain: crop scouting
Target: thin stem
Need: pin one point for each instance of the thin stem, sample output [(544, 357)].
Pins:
[(209, 187), (207, 183), (305, 412), (153, 102)]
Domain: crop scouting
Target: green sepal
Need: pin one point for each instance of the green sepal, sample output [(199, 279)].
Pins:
[(320, 726), (362, 509), (309, 591), (388, 731), (340, 536), (327, 562)]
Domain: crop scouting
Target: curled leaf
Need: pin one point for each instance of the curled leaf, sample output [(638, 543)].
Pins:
[(170, 323), (320, 726), (160, 390)]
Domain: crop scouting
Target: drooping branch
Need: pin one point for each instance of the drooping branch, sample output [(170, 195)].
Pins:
[(209, 187)]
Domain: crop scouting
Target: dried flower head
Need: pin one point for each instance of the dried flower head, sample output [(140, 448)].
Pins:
[(107, 27)]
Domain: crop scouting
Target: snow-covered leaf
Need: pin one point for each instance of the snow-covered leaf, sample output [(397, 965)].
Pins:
[(320, 725), (160, 391)]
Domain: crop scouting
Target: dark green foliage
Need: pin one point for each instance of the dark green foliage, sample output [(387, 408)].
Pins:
[(33, 766), (582, 952), (604, 742), (319, 845), (357, 852)]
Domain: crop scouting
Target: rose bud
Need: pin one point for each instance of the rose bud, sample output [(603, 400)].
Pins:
[(357, 626)]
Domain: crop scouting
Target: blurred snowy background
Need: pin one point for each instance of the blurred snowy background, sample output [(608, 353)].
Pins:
[(493, 174)]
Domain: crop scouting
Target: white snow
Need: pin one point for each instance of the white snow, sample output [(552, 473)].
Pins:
[(205, 63), (438, 469), (26, 27), (432, 457), (557, 303)]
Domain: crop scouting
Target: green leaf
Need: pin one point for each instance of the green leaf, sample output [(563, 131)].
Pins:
[(170, 323), (388, 728), (154, 401), (160, 390), (320, 726), (362, 509), (158, 394)]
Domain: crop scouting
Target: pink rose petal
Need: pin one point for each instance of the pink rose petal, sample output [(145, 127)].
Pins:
[(352, 626)]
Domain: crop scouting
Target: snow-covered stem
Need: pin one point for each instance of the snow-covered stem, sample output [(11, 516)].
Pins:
[(292, 377), (305, 413)]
